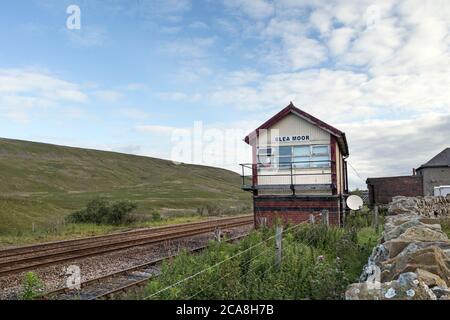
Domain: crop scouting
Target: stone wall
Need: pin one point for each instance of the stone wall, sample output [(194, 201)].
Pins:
[(412, 259)]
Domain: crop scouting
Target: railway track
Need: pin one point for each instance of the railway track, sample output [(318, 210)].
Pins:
[(107, 286), (19, 259)]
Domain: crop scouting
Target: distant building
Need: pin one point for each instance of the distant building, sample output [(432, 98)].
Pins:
[(381, 190), (299, 168), (436, 172), (433, 174)]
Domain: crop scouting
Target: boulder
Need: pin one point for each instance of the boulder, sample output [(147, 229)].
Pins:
[(431, 259), (402, 205), (400, 229), (430, 279), (407, 287), (420, 233), (395, 247)]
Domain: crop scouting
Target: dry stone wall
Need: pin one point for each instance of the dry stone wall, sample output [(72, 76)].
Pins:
[(412, 259)]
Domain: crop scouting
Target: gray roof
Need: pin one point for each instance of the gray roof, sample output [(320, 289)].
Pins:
[(441, 160)]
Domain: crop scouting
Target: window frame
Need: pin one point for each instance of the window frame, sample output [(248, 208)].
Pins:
[(309, 162)]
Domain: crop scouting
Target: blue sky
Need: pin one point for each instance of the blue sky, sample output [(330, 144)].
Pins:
[(137, 71)]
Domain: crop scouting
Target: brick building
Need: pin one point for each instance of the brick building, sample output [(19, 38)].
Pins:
[(299, 168), (381, 190)]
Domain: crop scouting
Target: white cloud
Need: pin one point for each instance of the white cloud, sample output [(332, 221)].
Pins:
[(198, 25), (322, 20), (340, 40), (189, 48), (87, 36), (23, 91), (179, 96), (156, 129), (394, 147), (134, 113), (255, 9), (108, 95)]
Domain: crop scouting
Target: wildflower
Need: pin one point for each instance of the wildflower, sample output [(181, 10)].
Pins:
[(320, 258)]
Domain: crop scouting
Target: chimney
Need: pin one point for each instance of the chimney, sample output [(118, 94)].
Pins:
[(414, 171)]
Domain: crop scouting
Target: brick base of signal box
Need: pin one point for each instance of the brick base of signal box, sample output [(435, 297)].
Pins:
[(295, 209)]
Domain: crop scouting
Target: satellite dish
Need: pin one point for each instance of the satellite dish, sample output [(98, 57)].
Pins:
[(354, 202)]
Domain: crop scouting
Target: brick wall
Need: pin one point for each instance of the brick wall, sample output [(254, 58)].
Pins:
[(295, 209), (381, 190)]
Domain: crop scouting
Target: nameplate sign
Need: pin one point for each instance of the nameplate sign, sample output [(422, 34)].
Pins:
[(291, 138)]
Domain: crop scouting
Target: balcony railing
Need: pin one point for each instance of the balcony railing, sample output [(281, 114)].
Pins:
[(296, 175)]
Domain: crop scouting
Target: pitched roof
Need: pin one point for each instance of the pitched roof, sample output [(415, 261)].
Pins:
[(342, 140), (440, 160)]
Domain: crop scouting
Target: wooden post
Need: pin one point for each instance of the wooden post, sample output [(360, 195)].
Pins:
[(278, 244), (312, 219), (263, 222), (325, 217), (376, 218), (32, 227), (218, 234)]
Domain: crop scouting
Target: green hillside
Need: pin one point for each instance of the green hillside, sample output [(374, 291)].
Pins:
[(41, 183)]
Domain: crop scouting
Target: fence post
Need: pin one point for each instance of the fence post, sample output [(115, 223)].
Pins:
[(312, 219), (32, 227), (218, 234), (376, 218), (325, 217), (278, 244)]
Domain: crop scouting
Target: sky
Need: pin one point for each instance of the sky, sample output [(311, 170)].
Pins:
[(151, 77)]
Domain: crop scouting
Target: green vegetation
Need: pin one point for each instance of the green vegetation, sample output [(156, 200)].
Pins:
[(445, 224), (318, 262), (32, 286), (80, 230), (101, 211), (41, 183)]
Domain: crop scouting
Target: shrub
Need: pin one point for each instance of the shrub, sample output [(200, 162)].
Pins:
[(32, 286), (318, 262), (100, 211), (156, 216)]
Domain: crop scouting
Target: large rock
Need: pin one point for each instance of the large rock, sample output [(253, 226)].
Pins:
[(430, 279), (432, 259), (407, 287), (420, 233), (402, 205), (400, 229), (420, 236)]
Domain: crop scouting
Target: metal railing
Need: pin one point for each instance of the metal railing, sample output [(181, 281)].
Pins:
[(291, 170)]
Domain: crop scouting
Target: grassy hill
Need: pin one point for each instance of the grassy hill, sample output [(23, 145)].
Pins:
[(41, 183)]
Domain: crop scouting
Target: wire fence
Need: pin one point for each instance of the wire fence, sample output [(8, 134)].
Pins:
[(265, 250), (216, 265)]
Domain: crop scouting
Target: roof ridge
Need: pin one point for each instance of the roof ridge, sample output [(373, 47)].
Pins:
[(302, 114)]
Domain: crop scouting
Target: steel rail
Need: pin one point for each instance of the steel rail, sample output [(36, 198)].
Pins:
[(125, 286), (4, 253), (49, 258), (96, 242)]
